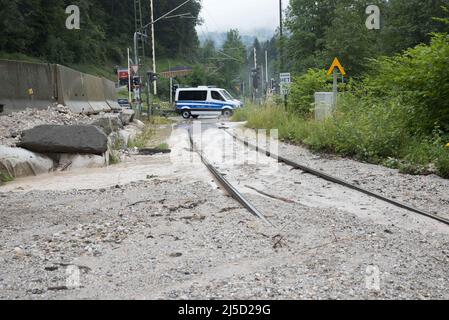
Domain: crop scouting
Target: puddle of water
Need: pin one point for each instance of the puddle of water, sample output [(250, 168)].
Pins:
[(181, 163)]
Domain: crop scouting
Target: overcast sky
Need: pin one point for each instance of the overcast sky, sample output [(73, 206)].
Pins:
[(245, 15)]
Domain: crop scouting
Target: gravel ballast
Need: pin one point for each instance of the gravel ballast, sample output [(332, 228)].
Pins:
[(176, 238)]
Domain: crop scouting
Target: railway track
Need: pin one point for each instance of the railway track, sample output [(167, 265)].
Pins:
[(226, 184), (251, 208)]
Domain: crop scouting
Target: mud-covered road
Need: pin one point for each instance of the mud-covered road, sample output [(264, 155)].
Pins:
[(160, 228)]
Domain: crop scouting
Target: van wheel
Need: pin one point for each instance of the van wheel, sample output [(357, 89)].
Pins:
[(227, 113), (186, 114)]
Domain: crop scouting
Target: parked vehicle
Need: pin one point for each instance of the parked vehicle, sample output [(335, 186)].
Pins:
[(193, 102), (124, 103)]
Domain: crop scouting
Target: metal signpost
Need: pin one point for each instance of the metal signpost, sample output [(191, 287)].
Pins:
[(333, 70), (285, 81)]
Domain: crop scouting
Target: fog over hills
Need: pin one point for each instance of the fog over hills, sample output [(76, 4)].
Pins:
[(247, 36)]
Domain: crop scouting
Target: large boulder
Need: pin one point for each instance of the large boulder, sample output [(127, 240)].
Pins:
[(83, 139), (17, 162), (109, 123)]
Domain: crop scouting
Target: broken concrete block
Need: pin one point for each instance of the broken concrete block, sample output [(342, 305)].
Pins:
[(127, 116), (109, 123), (17, 162)]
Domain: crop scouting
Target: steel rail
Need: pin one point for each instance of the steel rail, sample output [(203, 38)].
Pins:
[(227, 185), (339, 181)]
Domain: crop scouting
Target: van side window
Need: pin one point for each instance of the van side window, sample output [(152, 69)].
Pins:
[(217, 96), (192, 96)]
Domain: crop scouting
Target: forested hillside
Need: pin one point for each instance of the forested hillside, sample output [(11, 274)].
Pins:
[(320, 31), (37, 28)]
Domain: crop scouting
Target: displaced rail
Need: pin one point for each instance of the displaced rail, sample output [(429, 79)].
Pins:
[(338, 180), (226, 184)]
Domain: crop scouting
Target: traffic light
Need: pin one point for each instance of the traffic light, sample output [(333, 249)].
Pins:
[(174, 88), (136, 81), (151, 77), (256, 77), (273, 85)]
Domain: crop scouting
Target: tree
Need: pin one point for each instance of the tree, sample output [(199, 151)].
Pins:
[(410, 22), (37, 28), (348, 38), (233, 59), (307, 21), (321, 30)]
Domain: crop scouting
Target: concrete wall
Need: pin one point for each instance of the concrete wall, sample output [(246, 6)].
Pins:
[(82, 93), (111, 94), (72, 91), (16, 78), (96, 93)]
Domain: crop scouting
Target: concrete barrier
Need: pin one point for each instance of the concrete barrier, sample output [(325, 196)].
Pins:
[(111, 94), (96, 93), (26, 85), (37, 85), (72, 91)]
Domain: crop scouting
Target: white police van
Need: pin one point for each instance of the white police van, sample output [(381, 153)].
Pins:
[(193, 102)]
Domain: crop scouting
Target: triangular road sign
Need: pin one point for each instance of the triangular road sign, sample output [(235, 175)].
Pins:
[(336, 64)]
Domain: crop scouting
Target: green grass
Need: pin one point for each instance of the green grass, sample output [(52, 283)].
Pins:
[(163, 146), (19, 57), (141, 140), (114, 157), (101, 70), (160, 121), (4, 178), (105, 70)]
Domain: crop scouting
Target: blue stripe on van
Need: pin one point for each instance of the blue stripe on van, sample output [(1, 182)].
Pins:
[(202, 105)]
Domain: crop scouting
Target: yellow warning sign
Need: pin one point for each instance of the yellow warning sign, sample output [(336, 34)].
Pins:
[(336, 64)]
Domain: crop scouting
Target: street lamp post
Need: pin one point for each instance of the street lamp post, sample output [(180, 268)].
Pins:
[(153, 47)]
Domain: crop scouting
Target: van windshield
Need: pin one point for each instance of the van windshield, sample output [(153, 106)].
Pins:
[(226, 94)]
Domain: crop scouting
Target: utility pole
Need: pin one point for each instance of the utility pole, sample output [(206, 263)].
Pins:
[(255, 58), (153, 46), (152, 23), (266, 70), (171, 89), (129, 80), (255, 79), (281, 34), (335, 88), (138, 21)]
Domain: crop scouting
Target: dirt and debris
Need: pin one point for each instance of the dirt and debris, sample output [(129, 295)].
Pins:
[(428, 193), (179, 237), (150, 252), (12, 125)]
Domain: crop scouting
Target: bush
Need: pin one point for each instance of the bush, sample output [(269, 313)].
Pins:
[(442, 163), (421, 76), (368, 132), (303, 90)]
